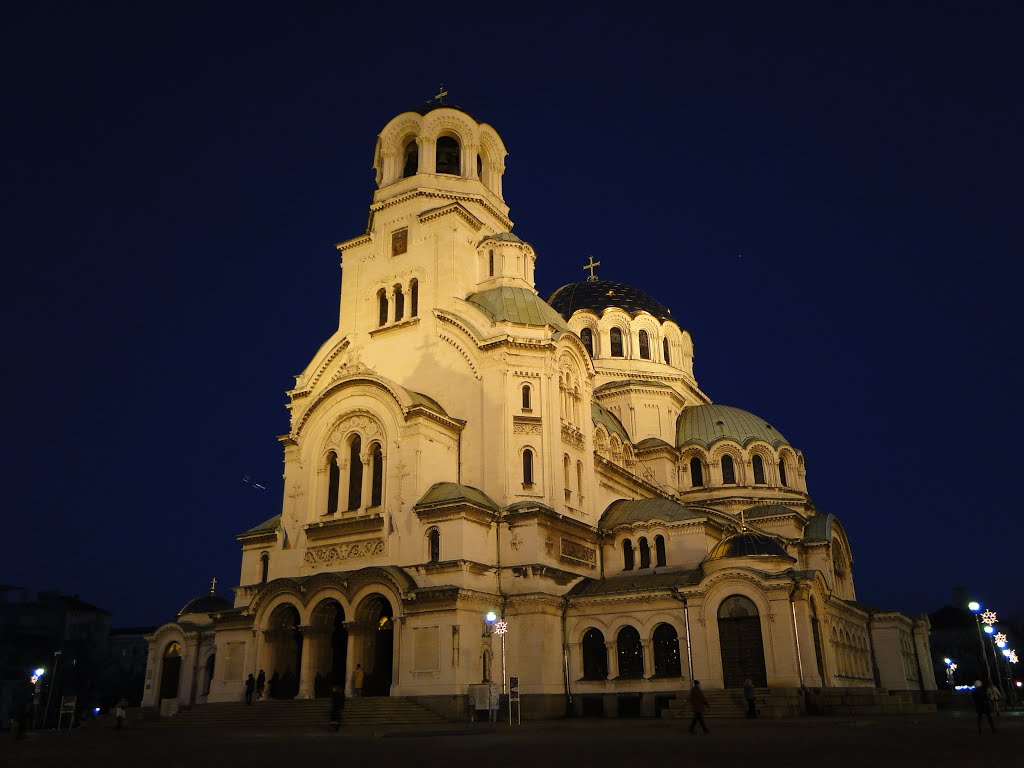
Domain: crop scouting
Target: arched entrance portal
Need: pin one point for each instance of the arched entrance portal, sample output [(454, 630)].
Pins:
[(328, 645), (284, 652), (739, 632), (170, 671), (377, 616)]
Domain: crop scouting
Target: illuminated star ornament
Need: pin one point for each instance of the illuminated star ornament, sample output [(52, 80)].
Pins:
[(500, 627), (952, 667), (1012, 657), (1000, 638), (989, 617)]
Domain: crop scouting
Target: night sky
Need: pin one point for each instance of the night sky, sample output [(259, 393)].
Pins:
[(828, 198)]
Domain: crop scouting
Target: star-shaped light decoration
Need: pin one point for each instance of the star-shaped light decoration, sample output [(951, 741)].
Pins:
[(1000, 638), (500, 627), (1012, 657), (989, 617), (952, 667)]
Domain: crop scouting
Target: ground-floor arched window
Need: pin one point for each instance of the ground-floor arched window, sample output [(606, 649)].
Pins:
[(666, 651), (595, 656), (631, 653)]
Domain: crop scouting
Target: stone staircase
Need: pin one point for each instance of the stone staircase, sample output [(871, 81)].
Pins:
[(788, 702), (299, 713)]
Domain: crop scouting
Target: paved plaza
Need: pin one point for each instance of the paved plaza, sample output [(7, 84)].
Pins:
[(942, 739)]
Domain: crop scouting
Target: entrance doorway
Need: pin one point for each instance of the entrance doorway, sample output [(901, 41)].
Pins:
[(284, 647), (377, 613), (331, 651), (170, 672), (739, 633)]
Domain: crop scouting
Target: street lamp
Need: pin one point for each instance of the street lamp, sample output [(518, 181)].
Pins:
[(974, 608), (950, 669)]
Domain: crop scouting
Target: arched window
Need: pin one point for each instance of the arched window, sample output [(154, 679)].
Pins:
[(616, 342), (527, 467), (587, 337), (490, 263), (333, 481), (631, 654), (526, 397), (627, 555), (645, 553), (645, 346), (664, 348), (414, 295), (377, 481), (728, 470), (264, 567), (659, 550), (758, 464), (382, 307), (579, 480), (411, 159), (566, 472), (448, 160), (479, 167), (355, 474), (399, 303), (696, 473), (782, 473), (595, 656), (666, 651), (434, 545)]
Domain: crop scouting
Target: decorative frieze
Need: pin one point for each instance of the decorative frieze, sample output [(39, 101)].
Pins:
[(322, 557), (576, 552)]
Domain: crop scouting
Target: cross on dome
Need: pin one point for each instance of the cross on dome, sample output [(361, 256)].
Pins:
[(213, 586), (591, 266), (441, 93)]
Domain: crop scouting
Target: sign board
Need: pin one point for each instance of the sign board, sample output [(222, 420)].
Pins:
[(513, 689)]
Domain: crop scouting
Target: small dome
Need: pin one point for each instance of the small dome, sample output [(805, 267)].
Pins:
[(707, 424), (429, 106), (748, 545), (599, 295), (208, 603)]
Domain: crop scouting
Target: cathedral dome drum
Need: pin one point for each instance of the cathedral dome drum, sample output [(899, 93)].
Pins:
[(705, 425), (598, 295)]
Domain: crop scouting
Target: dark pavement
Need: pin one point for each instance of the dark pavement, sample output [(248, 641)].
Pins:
[(941, 739)]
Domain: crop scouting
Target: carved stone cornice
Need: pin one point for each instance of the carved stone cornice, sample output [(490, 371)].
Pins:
[(344, 527), (333, 555)]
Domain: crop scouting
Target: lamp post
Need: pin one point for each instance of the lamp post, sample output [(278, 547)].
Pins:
[(974, 608), (950, 669)]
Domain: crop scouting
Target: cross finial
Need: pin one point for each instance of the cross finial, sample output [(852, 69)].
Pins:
[(591, 266), (213, 586), (441, 93)]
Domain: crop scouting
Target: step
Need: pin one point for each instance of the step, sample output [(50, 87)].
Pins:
[(357, 712)]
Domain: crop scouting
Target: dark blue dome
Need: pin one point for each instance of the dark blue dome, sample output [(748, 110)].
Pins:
[(599, 295)]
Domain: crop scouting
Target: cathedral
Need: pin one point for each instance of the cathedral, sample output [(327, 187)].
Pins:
[(483, 485)]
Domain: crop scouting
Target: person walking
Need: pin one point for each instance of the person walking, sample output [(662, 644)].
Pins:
[(699, 705), (119, 712), (337, 705), (750, 694), (250, 685), (261, 684), (357, 679), (995, 698), (981, 705)]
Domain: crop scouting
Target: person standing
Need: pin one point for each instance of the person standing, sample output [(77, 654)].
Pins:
[(750, 694), (261, 684), (250, 685), (337, 705), (357, 679), (981, 704), (699, 705)]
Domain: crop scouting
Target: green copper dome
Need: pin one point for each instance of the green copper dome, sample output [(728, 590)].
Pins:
[(705, 425)]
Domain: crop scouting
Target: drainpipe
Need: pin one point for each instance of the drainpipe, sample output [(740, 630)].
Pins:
[(796, 630), (565, 655), (686, 621)]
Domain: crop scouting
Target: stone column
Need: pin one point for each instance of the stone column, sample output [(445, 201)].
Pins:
[(428, 154), (648, 648), (367, 489), (613, 659), (469, 155), (306, 666)]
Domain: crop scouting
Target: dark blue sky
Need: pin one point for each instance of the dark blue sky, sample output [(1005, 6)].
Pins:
[(828, 198)]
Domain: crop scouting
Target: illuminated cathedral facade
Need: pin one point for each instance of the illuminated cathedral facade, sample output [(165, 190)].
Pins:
[(460, 446)]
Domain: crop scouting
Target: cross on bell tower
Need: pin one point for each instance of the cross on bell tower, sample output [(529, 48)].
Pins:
[(213, 586), (591, 266), (441, 93)]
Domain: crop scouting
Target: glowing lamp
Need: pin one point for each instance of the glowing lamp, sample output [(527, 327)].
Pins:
[(974, 606), (40, 672), (947, 660), (491, 616), (988, 629)]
